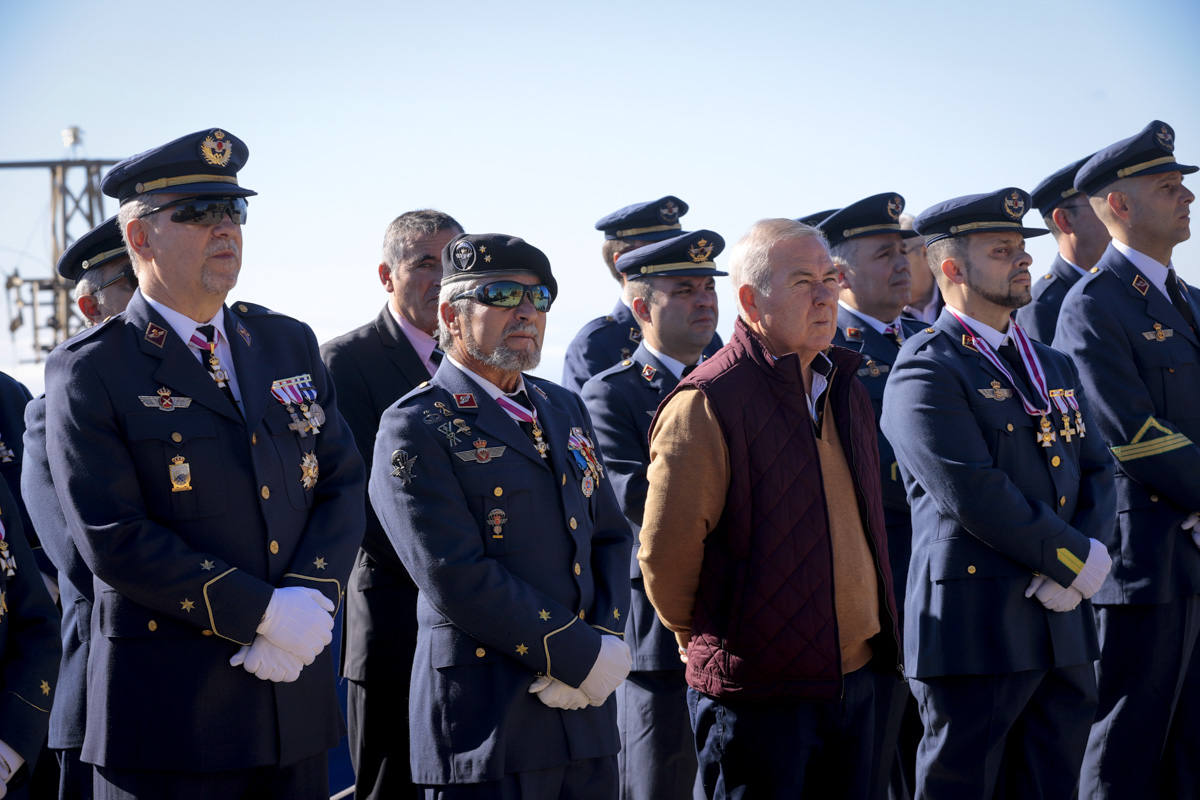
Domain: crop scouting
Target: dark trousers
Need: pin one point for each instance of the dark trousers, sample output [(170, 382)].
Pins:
[(1146, 739), (305, 780), (588, 779), (1019, 736), (74, 777), (795, 748), (658, 755), (377, 721)]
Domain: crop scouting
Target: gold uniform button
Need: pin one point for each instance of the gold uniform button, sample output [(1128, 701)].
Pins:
[(1062, 501), (266, 492), (581, 613), (176, 437), (242, 308), (564, 479), (206, 633), (1153, 498), (1054, 462), (971, 569), (480, 652), (152, 625), (273, 547), (1008, 427), (498, 491), (578, 569), (573, 523), (254, 438)]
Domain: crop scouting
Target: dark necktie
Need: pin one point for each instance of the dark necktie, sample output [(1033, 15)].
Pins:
[(205, 340), (687, 370), (1008, 351), (1179, 300)]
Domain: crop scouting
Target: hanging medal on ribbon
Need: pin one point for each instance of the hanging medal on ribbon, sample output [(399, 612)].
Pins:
[(522, 414), (584, 453), (1064, 411), (8, 562), (298, 391), (1069, 397), (1041, 410)]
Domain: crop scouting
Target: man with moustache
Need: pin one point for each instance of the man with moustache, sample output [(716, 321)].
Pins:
[(372, 367), (673, 298), (1081, 240), (607, 340), (1010, 496), (763, 546), (219, 523), (489, 485), (1131, 327), (104, 283)]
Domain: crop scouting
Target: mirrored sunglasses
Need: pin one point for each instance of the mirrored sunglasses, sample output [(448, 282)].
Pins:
[(204, 210), (508, 294)]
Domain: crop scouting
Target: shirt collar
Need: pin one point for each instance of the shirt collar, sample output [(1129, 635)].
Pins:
[(674, 365), (878, 325), (422, 343), (1154, 271), (993, 337), (183, 325), (493, 391)]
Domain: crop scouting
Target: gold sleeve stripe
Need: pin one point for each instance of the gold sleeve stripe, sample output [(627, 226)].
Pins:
[(1154, 447), (1068, 558), (31, 705), (208, 606), (546, 643), (336, 585), (609, 630)]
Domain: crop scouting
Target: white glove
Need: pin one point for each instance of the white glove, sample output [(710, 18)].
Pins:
[(10, 764), (267, 662), (298, 620), (1053, 595), (1189, 524), (557, 694), (1095, 570), (612, 665)]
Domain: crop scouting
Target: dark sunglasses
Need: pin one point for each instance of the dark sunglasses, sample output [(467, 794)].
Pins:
[(204, 210), (508, 294), (122, 275)]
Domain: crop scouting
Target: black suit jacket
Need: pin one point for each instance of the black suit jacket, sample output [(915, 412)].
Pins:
[(372, 367)]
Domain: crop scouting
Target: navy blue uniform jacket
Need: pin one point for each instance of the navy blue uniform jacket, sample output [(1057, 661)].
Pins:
[(496, 608), (1140, 364), (182, 578), (622, 401), (1040, 317), (990, 507)]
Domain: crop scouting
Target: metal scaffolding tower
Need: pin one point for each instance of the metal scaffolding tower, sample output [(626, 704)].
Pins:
[(76, 205)]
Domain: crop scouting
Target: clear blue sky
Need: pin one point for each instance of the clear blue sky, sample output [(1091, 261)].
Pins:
[(536, 119)]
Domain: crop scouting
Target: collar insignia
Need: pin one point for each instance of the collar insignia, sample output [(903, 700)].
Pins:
[(648, 372), (635, 334), (245, 334), (163, 401), (1159, 334), (854, 334), (465, 400), (155, 335), (1141, 284), (969, 342)]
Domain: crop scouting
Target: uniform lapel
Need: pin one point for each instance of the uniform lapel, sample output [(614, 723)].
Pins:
[(556, 426), (179, 369), (254, 383), (1158, 307), (662, 381)]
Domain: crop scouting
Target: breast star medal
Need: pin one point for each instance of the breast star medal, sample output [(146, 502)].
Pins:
[(308, 470)]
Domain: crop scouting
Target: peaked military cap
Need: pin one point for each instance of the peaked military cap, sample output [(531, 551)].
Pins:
[(1146, 153), (815, 219), (1000, 210), (201, 163), (95, 248), (871, 216), (479, 255), (686, 254), (1052, 191), (648, 222)]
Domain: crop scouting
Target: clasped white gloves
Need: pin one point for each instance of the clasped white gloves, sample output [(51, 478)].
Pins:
[(299, 620), (557, 694), (1094, 571), (612, 665), (10, 765), (1053, 595), (267, 662), (1192, 523)]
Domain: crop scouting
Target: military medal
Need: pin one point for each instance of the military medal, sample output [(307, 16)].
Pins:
[(522, 414), (6, 453), (1060, 403), (181, 475), (584, 453), (1069, 396), (8, 561), (308, 470), (1037, 377), (496, 518), (587, 485), (299, 391)]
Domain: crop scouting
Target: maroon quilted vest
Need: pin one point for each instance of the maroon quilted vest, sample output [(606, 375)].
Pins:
[(764, 625)]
